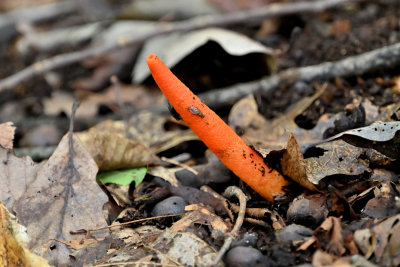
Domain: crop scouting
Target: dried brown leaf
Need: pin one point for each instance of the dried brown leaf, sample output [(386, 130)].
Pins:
[(63, 196), (340, 157), (293, 165), (113, 151)]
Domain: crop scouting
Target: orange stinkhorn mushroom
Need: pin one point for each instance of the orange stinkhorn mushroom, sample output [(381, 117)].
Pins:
[(240, 158)]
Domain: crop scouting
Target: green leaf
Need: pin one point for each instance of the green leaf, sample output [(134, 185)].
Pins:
[(123, 177)]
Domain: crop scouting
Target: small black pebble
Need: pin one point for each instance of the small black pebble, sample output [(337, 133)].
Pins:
[(248, 239), (171, 205), (244, 256)]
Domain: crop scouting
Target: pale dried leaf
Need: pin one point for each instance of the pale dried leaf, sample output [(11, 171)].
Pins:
[(63, 196), (174, 47)]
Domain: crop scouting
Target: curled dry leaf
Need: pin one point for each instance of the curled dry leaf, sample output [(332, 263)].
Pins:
[(294, 166), (174, 47), (13, 239), (149, 129), (112, 151), (7, 131)]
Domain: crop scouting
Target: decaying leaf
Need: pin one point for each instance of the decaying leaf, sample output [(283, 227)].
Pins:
[(185, 246), (380, 136), (13, 239), (62, 196), (339, 157), (7, 131)]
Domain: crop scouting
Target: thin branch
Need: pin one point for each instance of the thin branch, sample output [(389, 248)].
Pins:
[(136, 263), (230, 192), (183, 165), (273, 10), (83, 231), (382, 58)]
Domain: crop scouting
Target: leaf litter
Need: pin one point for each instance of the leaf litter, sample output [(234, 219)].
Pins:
[(342, 209)]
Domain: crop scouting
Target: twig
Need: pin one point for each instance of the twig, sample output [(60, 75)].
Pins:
[(125, 223), (229, 192), (177, 163), (381, 58), (273, 10), (387, 57), (277, 221), (224, 201), (134, 263)]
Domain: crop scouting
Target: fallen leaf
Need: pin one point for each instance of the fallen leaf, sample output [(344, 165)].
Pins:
[(339, 157), (62, 196), (113, 151), (148, 129), (294, 166)]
